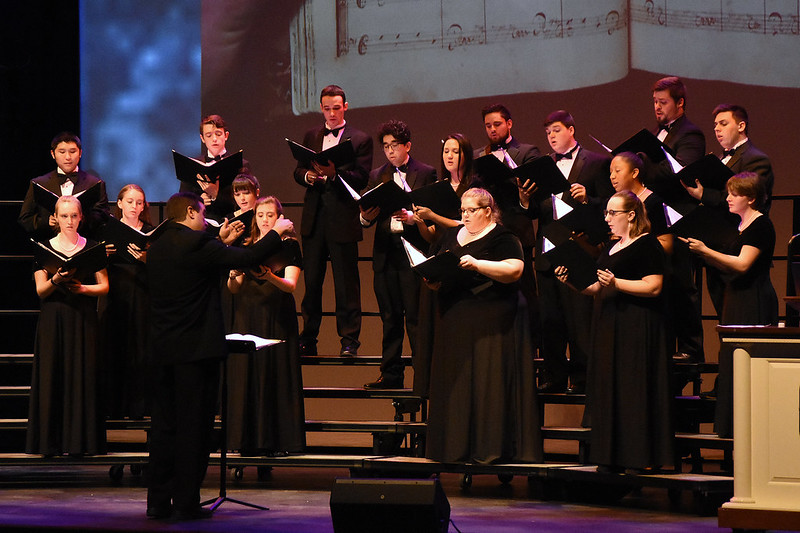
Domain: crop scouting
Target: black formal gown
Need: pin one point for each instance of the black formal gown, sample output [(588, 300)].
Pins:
[(629, 404), (64, 414), (265, 389), (483, 405), (749, 299), (126, 337)]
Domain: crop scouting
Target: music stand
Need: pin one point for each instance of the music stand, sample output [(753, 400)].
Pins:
[(236, 343)]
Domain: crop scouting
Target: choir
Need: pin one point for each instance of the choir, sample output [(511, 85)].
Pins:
[(474, 328)]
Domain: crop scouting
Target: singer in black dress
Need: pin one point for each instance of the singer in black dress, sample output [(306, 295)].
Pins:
[(64, 414), (265, 389), (749, 297), (125, 326), (628, 397), (483, 405)]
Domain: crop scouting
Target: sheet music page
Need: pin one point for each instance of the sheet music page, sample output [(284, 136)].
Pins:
[(392, 51), (744, 41)]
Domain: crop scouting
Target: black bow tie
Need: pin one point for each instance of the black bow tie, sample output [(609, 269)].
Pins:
[(499, 146), (334, 131), (726, 153), (568, 155), (665, 127), (72, 176), (402, 169)]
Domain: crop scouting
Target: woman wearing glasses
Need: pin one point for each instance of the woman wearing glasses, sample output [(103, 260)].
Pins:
[(482, 408), (628, 395)]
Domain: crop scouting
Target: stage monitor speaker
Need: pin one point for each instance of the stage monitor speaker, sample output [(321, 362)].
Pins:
[(389, 505)]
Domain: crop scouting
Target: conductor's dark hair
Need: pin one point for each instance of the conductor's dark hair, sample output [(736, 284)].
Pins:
[(213, 120), (739, 113), (560, 116), (396, 128), (179, 203), (676, 88), (65, 137), (496, 108), (332, 90)]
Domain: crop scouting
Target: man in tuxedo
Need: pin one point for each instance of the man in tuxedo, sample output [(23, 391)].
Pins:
[(564, 313), (396, 285), (66, 180), (688, 144), (501, 144), (740, 155), (330, 225), (188, 337), (214, 134)]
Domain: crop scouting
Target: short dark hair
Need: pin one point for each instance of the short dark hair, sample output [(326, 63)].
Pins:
[(496, 108), (397, 128), (65, 137), (676, 88), (750, 185), (214, 120), (179, 203), (560, 116), (332, 90), (739, 113)]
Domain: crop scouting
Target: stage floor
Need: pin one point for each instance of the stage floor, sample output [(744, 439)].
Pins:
[(84, 498)]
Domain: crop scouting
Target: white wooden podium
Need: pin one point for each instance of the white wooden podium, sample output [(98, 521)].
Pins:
[(766, 428)]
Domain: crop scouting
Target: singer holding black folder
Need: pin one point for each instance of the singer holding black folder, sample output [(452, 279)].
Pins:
[(184, 266), (749, 297), (483, 406), (330, 225), (65, 415), (265, 391), (125, 318), (628, 397), (66, 179)]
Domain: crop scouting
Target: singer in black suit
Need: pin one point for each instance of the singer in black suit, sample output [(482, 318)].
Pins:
[(330, 225), (498, 123), (688, 144), (564, 313), (396, 285), (214, 133), (40, 224), (183, 269)]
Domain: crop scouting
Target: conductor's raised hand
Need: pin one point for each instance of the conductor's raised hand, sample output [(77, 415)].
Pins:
[(230, 231), (283, 226)]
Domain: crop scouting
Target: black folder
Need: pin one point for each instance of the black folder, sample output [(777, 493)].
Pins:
[(581, 266), (645, 142), (545, 173), (340, 155), (280, 259), (440, 198), (47, 199), (498, 179), (717, 229), (709, 170), (246, 218), (584, 219), (221, 172), (439, 267), (121, 235), (87, 261), (388, 196)]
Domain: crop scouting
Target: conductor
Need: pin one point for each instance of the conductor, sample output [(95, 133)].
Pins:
[(183, 268)]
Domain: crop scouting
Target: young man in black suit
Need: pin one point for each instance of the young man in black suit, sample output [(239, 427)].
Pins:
[(565, 314), (66, 179), (214, 134), (740, 155), (330, 225), (498, 123), (688, 144), (396, 285), (188, 337)]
